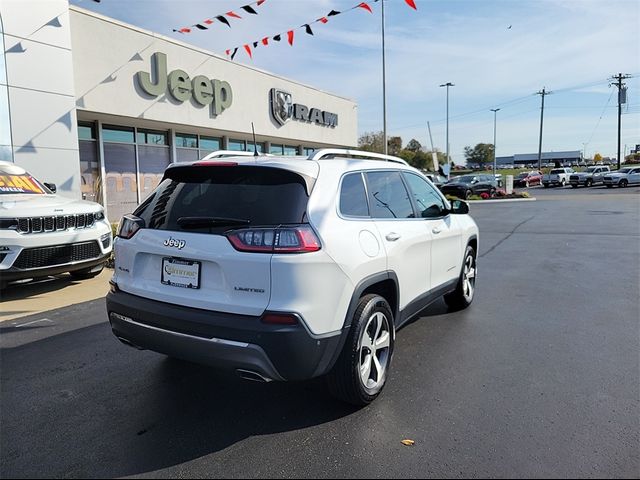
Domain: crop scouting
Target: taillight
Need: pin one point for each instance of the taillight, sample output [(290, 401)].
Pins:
[(298, 239), (129, 225)]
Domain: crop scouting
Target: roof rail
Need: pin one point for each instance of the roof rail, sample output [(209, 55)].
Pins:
[(328, 153), (232, 153)]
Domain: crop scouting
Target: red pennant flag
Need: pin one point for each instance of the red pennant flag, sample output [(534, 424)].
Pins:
[(185, 30), (290, 37), (412, 4), (265, 41), (208, 21), (323, 20), (228, 52), (235, 15), (366, 7), (260, 2), (248, 49)]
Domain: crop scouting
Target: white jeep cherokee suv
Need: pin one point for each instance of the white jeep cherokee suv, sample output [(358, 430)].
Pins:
[(289, 268), (42, 233)]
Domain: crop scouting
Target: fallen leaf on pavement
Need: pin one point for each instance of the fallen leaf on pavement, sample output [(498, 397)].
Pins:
[(408, 443)]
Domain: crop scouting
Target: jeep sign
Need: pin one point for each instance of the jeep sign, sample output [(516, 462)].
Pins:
[(283, 109), (204, 91)]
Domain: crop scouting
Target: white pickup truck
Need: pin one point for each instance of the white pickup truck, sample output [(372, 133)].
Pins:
[(557, 177)]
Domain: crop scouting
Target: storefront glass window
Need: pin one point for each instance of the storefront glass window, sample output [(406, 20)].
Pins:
[(184, 140), (6, 149), (152, 161), (187, 154), (152, 137), (121, 179), (309, 151), (276, 149), (117, 134), (237, 145), (289, 150), (259, 145), (90, 178), (210, 143)]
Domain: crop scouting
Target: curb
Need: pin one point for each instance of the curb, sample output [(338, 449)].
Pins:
[(506, 200)]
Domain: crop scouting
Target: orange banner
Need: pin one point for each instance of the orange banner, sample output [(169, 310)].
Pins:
[(19, 184)]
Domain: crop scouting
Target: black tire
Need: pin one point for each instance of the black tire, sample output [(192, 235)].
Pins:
[(87, 273), (563, 182), (458, 299), (588, 183), (492, 193), (624, 183), (467, 194), (345, 380), (609, 185), (545, 185), (573, 185)]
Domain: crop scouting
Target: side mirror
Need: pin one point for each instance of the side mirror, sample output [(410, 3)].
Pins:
[(51, 186), (459, 207)]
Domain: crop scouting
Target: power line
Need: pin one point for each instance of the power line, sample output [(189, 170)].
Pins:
[(600, 119)]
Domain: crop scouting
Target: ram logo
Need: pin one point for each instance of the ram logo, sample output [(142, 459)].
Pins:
[(281, 106)]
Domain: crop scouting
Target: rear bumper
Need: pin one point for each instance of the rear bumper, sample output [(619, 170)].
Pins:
[(222, 340)]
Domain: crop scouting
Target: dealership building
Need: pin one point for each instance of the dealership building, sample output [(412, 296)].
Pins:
[(100, 107)]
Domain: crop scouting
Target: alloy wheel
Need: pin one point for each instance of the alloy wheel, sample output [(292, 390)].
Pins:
[(374, 348), (469, 278)]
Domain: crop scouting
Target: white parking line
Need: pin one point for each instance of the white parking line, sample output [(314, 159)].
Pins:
[(31, 323)]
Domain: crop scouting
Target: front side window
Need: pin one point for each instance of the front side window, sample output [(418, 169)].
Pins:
[(353, 197), (430, 204), (388, 196)]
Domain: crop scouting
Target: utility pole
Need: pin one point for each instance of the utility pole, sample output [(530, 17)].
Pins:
[(495, 119), (542, 93), (384, 88), (448, 84), (622, 98)]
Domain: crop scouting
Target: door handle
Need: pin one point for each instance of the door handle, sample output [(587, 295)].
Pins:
[(436, 231), (393, 236)]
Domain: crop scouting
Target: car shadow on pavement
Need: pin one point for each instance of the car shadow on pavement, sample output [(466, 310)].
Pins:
[(81, 404), (20, 291)]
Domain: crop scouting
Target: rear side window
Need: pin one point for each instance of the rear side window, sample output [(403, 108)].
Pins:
[(388, 196), (353, 197), (259, 196)]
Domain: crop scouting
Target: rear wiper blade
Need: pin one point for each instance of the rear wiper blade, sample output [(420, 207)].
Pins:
[(198, 222)]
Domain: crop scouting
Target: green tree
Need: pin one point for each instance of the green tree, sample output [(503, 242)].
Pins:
[(413, 145), (374, 142), (481, 153)]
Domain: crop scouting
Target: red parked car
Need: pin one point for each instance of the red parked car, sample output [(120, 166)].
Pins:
[(526, 179)]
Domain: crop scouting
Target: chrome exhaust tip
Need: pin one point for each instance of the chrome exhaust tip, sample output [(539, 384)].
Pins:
[(253, 376)]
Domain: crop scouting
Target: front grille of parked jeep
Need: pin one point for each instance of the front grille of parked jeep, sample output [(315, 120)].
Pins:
[(58, 223), (41, 257)]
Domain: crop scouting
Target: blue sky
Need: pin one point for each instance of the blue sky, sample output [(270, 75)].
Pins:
[(570, 46)]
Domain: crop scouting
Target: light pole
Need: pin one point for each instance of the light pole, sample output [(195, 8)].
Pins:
[(495, 119), (584, 152), (384, 88), (448, 84)]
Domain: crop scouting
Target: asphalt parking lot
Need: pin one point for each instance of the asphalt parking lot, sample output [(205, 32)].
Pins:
[(539, 378)]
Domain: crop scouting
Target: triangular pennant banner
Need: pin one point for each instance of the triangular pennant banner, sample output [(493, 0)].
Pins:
[(412, 4), (248, 49), (223, 20), (208, 21), (233, 15), (323, 20), (290, 37), (201, 27), (307, 27), (335, 12), (277, 38), (260, 2), (255, 44), (265, 41), (365, 6), (228, 52), (249, 9), (235, 50)]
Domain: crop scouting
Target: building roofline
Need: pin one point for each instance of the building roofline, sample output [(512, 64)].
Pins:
[(165, 38)]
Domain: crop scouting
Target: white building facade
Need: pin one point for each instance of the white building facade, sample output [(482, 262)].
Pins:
[(101, 108)]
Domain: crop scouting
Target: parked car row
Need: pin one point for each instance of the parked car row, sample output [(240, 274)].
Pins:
[(592, 176)]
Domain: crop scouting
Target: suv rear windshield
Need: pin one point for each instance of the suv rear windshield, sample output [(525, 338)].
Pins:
[(243, 195)]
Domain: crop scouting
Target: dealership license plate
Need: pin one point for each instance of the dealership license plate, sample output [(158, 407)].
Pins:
[(181, 273)]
